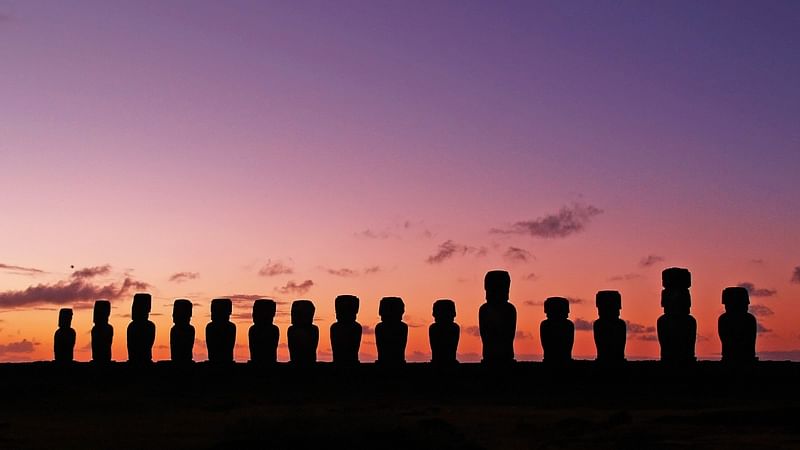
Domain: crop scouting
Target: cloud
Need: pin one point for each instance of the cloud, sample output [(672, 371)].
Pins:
[(20, 269), (625, 277), (372, 269), (648, 337), (293, 287), (450, 249), (533, 303), (78, 289), (519, 335), (637, 328), (650, 260), (762, 329), (761, 310), (757, 292), (576, 300), (516, 254), (569, 220), (271, 269), (473, 330), (372, 234), (530, 277), (91, 272), (23, 346), (248, 298), (366, 329), (583, 325), (796, 275), (343, 272), (180, 277)]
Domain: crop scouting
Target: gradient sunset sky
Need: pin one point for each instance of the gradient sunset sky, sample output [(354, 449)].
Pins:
[(308, 149)]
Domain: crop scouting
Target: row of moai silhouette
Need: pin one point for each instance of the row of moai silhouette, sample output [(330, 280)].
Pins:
[(676, 328)]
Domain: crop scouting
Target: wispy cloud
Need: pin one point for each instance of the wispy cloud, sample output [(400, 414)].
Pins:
[(343, 272), (292, 287), (372, 269), (650, 260), (78, 288), (637, 328), (762, 329), (761, 310), (796, 275), (625, 277), (180, 277), (583, 325), (569, 220), (517, 255), (530, 277), (373, 234), (449, 249), (473, 330), (21, 269), (271, 269), (23, 346), (757, 292)]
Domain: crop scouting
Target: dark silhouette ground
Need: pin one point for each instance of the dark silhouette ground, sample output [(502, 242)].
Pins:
[(529, 405)]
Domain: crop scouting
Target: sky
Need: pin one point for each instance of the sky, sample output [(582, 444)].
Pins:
[(300, 149)]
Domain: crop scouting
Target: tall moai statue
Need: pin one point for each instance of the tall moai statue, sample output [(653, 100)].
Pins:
[(64, 339), (444, 332), (609, 330), (263, 334), (221, 332), (303, 335), (677, 329), (557, 331), (497, 319), (102, 332), (391, 333), (346, 332), (141, 331), (737, 327), (181, 336)]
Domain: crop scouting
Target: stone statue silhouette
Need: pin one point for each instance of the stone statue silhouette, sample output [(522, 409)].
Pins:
[(181, 336), (102, 332), (609, 330), (220, 332), (64, 339), (677, 329), (444, 333), (263, 334), (557, 331), (141, 331), (346, 332), (497, 319), (737, 327), (391, 334), (303, 335)]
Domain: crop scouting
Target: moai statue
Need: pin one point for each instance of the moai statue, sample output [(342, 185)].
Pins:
[(609, 329), (737, 327), (141, 331), (102, 332), (220, 332), (444, 333), (391, 334), (497, 319), (346, 332), (303, 335), (677, 329), (64, 340), (557, 331), (263, 335), (181, 336)]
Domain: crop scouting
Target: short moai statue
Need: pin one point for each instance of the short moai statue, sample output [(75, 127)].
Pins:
[(497, 319), (557, 331), (609, 330), (141, 331), (303, 335), (346, 332), (181, 336), (221, 332), (677, 329), (263, 334), (391, 333), (64, 339), (737, 327), (444, 333), (102, 332)]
